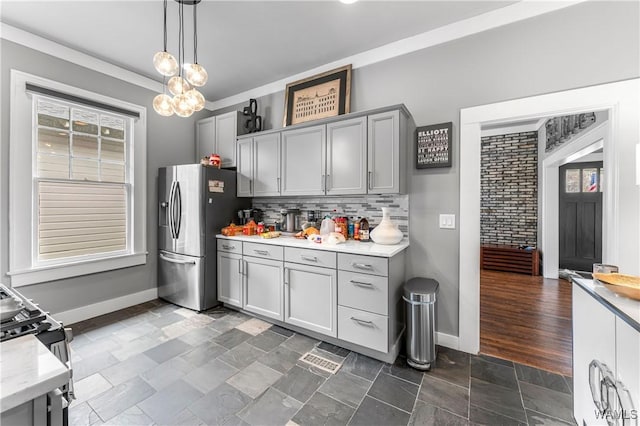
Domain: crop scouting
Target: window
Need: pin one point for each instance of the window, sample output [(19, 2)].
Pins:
[(78, 182), (82, 187), (585, 179)]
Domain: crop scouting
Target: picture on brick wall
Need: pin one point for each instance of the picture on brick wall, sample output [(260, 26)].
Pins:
[(433, 146)]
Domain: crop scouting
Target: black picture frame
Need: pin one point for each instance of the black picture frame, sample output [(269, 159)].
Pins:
[(433, 146), (340, 75)]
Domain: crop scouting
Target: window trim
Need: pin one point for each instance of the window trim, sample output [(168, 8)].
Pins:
[(23, 268)]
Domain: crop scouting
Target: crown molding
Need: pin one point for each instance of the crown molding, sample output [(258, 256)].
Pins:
[(41, 44)]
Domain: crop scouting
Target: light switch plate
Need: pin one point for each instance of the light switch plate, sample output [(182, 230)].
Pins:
[(448, 221)]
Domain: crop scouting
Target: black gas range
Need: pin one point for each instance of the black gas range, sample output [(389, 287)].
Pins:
[(31, 319)]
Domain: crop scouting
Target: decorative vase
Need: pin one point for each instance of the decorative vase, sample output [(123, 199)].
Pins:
[(386, 232)]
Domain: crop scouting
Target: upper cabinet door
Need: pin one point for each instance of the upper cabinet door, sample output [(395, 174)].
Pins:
[(244, 170), (226, 133), (384, 153), (303, 161), (347, 157), (205, 137), (266, 165)]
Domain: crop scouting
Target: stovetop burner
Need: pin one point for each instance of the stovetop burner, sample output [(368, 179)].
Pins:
[(30, 320)]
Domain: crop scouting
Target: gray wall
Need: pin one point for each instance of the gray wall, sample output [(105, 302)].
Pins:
[(169, 141), (587, 44)]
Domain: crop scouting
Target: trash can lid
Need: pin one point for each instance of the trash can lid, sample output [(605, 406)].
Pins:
[(421, 290)]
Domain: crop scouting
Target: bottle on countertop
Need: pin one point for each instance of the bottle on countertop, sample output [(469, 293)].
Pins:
[(364, 229), (350, 228), (356, 229)]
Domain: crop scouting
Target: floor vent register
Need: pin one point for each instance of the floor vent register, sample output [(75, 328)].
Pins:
[(321, 363)]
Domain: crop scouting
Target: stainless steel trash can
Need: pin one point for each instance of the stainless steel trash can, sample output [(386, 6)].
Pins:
[(420, 300)]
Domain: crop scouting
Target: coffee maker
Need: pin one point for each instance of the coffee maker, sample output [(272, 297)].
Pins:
[(290, 220)]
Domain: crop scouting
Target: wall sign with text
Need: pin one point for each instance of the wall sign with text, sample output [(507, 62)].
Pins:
[(433, 145)]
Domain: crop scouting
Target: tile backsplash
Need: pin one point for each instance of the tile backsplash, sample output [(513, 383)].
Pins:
[(363, 205)]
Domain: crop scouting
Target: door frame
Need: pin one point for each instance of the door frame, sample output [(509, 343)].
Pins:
[(621, 101)]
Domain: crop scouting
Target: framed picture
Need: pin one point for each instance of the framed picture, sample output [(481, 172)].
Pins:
[(321, 96), (433, 146)]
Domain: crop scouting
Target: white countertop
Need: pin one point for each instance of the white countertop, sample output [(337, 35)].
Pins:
[(27, 370), (350, 246), (625, 308)]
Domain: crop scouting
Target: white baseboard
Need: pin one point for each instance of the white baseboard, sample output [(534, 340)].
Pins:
[(91, 311), (447, 340)]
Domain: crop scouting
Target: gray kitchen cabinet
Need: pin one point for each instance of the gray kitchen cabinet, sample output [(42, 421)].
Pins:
[(349, 299), (217, 135), (263, 286), (230, 278), (303, 161), (244, 168), (347, 157), (386, 155), (205, 137), (227, 130), (310, 298), (266, 165)]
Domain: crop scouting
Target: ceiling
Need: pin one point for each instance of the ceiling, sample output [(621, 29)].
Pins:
[(242, 44)]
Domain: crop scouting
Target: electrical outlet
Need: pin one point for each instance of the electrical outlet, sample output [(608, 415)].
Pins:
[(448, 221)]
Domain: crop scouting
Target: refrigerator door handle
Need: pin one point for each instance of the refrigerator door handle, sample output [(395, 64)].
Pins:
[(178, 220), (170, 210), (181, 262)]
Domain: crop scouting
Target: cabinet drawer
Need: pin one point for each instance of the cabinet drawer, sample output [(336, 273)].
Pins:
[(363, 328), (326, 259), (262, 250), (363, 264), (230, 246), (363, 291)]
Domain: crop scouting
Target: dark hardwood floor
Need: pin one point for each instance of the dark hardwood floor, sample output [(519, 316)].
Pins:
[(526, 319)]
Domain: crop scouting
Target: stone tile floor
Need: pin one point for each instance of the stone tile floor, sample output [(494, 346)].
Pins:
[(157, 363)]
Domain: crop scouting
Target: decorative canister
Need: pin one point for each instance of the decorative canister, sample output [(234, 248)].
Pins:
[(214, 160), (386, 232)]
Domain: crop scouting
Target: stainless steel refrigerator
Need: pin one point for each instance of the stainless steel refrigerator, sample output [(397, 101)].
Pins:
[(194, 203)]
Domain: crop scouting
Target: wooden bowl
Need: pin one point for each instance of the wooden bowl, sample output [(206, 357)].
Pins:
[(623, 285)]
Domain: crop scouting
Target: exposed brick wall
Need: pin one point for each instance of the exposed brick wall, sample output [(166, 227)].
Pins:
[(509, 189)]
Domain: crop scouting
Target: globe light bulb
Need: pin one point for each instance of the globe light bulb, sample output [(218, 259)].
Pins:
[(162, 105), (165, 63), (182, 105), (196, 99), (178, 85), (196, 74)]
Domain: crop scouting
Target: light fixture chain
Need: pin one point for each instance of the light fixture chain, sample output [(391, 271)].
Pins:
[(195, 34), (165, 25)]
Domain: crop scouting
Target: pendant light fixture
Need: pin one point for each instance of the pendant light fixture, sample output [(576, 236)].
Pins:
[(186, 99)]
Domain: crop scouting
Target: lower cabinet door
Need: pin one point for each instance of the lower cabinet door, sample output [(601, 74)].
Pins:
[(230, 278), (628, 371), (363, 328), (594, 339), (310, 298), (263, 285)]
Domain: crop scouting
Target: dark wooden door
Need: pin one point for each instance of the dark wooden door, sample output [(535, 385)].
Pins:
[(580, 216)]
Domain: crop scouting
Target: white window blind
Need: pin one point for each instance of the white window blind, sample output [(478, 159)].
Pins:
[(80, 219), (82, 188)]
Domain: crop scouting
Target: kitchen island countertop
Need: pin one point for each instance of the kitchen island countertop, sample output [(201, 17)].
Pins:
[(623, 307), (28, 370), (350, 246)]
